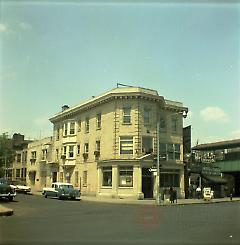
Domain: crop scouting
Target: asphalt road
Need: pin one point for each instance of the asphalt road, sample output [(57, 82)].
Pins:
[(37, 220)]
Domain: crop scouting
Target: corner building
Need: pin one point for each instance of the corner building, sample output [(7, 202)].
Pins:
[(106, 146)]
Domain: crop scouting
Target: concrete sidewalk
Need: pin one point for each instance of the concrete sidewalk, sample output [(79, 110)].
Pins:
[(151, 201)]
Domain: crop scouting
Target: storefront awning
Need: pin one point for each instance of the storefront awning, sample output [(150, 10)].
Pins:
[(215, 179)]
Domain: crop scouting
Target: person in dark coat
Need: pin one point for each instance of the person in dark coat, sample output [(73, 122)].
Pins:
[(174, 195), (171, 195)]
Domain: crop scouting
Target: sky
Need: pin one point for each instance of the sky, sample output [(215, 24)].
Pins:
[(64, 52)]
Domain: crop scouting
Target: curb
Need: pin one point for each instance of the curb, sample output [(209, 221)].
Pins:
[(5, 211)]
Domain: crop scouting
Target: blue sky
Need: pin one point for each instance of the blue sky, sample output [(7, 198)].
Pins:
[(55, 53)]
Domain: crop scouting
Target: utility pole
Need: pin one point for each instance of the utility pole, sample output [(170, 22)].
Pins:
[(158, 168)]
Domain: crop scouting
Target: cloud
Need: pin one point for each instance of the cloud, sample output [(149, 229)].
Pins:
[(214, 114), (3, 28), (25, 26)]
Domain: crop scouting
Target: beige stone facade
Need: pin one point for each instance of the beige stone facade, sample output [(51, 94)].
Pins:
[(103, 146), (41, 170)]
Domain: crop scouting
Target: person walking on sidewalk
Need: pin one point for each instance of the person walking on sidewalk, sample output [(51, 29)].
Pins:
[(199, 191), (174, 195), (171, 195)]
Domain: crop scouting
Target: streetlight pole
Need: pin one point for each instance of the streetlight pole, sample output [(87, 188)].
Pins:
[(158, 168)]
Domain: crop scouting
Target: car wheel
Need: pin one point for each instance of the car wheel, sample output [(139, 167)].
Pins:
[(10, 199)]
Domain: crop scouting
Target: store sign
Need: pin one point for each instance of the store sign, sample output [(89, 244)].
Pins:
[(211, 171)]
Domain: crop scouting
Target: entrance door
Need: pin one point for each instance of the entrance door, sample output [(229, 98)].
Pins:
[(147, 183), (54, 176)]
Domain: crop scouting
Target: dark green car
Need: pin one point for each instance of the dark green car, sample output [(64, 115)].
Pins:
[(6, 191)]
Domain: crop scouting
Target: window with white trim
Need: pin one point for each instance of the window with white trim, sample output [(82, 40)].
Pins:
[(86, 148), (107, 176), (65, 129), (126, 145), (126, 176), (85, 175), (72, 128), (71, 151), (127, 115)]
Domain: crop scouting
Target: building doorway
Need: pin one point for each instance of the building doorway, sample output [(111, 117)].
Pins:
[(147, 183), (54, 176)]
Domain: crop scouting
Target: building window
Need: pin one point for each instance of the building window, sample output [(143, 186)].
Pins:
[(126, 145), (34, 154), (170, 178), (87, 125), (107, 176), (58, 133), (71, 151), (85, 175), (18, 157), (147, 116), (78, 149), (147, 145), (64, 150), (24, 156), (86, 148), (72, 128), (162, 123), (98, 145), (177, 151), (18, 173), (57, 152), (127, 115), (170, 151), (162, 152), (126, 176), (44, 154), (99, 119), (174, 125), (65, 129), (76, 178)]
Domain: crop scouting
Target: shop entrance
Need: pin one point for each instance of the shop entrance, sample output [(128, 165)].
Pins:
[(147, 183)]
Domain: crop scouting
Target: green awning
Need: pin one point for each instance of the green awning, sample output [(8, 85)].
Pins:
[(228, 166), (215, 179)]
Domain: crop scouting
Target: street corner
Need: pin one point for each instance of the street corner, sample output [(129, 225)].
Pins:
[(5, 211)]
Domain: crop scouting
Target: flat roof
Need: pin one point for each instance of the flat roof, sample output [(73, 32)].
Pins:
[(218, 145)]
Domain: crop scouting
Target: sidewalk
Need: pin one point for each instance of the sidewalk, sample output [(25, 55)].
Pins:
[(151, 201)]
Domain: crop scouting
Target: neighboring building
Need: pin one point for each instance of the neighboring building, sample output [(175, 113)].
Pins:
[(16, 170), (41, 170), (100, 145), (220, 158)]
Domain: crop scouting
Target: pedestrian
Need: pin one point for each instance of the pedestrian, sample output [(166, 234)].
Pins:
[(174, 195), (198, 190), (171, 194)]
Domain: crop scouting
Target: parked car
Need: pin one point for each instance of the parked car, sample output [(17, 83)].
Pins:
[(20, 187), (6, 191), (61, 191)]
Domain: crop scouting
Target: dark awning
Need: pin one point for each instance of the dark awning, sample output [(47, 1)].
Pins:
[(215, 179)]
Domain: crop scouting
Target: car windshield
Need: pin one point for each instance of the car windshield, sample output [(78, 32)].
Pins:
[(3, 181)]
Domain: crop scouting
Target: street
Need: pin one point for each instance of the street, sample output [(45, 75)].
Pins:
[(47, 221)]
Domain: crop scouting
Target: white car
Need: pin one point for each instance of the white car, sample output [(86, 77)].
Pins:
[(61, 191), (18, 187)]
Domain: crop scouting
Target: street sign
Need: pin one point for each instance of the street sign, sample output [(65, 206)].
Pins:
[(152, 169)]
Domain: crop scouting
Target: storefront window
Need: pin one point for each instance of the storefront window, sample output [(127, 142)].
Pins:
[(126, 176), (170, 178), (107, 176)]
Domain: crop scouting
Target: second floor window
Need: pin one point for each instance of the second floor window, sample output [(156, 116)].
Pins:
[(72, 128), (34, 154), (64, 150), (162, 123), (147, 144), (44, 154), (126, 145), (99, 119), (174, 125), (71, 151), (18, 157), (127, 115)]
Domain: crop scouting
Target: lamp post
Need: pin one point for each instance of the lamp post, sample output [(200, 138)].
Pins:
[(158, 168)]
